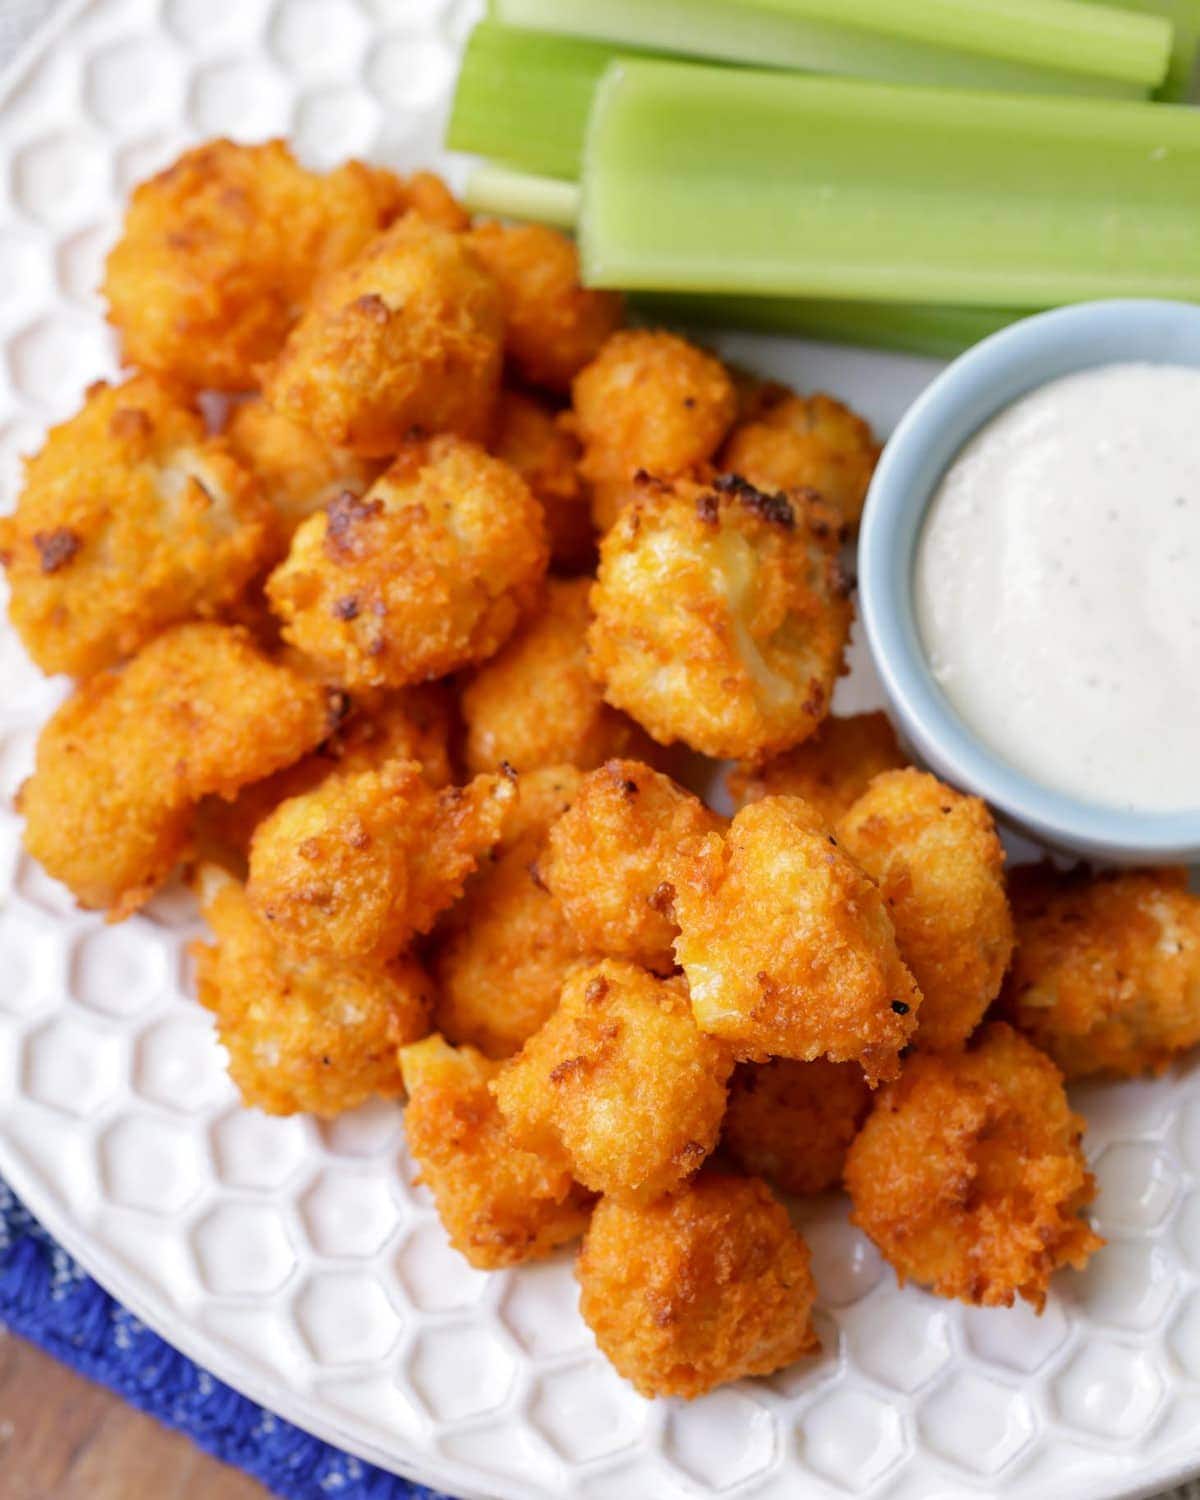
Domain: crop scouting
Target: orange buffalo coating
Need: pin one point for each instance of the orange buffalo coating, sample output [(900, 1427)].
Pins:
[(122, 764), (546, 455), (131, 519), (792, 1122), (787, 944), (939, 864), (302, 1033), (705, 1286), (610, 861), (969, 1174), (619, 1085), (499, 1205), (427, 573), (1106, 976)]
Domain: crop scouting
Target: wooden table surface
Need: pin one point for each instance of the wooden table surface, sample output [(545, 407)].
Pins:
[(63, 1438)]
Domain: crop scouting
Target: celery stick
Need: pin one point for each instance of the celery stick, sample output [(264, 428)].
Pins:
[(750, 31), (519, 195), (731, 180), (1184, 15)]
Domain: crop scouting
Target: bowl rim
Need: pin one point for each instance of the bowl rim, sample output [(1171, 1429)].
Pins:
[(969, 392)]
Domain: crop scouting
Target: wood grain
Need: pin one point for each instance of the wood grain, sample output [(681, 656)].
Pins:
[(63, 1438)]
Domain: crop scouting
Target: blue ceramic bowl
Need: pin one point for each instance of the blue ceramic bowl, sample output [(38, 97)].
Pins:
[(966, 395)]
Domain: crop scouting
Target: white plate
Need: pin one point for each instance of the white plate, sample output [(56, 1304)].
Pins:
[(296, 1261)]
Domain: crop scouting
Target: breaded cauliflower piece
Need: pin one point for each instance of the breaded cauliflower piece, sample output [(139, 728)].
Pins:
[(500, 1206), (787, 944), (546, 455), (619, 1085), (813, 442), (406, 338), (705, 1286), (357, 867), (830, 770), (508, 948), (427, 196), (1106, 976), (969, 1174), (610, 860), (220, 251), (553, 325), (199, 712), (131, 519), (792, 1122), (535, 702), (721, 618), (427, 573), (303, 1034), (939, 865)]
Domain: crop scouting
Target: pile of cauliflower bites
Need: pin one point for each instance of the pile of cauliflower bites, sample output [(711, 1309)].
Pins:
[(396, 578)]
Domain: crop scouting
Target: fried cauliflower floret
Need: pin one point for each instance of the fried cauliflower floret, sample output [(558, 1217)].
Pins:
[(792, 1122), (357, 867), (610, 860), (546, 455), (425, 194), (298, 474), (122, 763), (619, 1085), (830, 770), (407, 337), (501, 965), (1106, 976), (721, 618), (969, 1174), (303, 1034), (535, 702), (787, 944), (705, 1286), (427, 573), (130, 520), (552, 325), (220, 250), (499, 1205), (939, 865)]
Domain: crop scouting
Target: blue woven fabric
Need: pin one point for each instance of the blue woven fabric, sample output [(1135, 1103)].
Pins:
[(46, 1297)]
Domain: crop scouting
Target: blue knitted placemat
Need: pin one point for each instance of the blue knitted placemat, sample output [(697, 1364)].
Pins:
[(47, 1298)]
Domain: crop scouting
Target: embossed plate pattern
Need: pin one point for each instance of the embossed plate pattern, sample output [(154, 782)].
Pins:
[(296, 1260)]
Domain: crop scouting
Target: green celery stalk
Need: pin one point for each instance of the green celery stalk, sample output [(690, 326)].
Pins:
[(728, 180), (752, 31), (1184, 15), (493, 189)]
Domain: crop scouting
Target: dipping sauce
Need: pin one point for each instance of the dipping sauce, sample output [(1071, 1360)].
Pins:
[(1057, 586)]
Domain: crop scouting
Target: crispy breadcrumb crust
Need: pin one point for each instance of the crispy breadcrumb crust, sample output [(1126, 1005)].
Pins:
[(830, 770), (544, 453), (969, 1174), (792, 1122), (787, 944), (500, 1206), (705, 1286), (1106, 976)]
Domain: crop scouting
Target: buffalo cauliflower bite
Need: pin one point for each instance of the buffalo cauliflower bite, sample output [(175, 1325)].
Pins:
[(830, 770), (705, 1286), (544, 453), (130, 520), (721, 618), (1106, 976), (552, 325), (303, 1034), (501, 963), (787, 944), (499, 1205), (535, 702), (427, 573), (939, 865), (813, 443), (406, 338), (610, 860), (220, 251), (969, 1174), (619, 1085), (792, 1122), (123, 762), (361, 864)]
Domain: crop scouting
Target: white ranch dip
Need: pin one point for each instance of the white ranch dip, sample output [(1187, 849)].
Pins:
[(1057, 585)]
